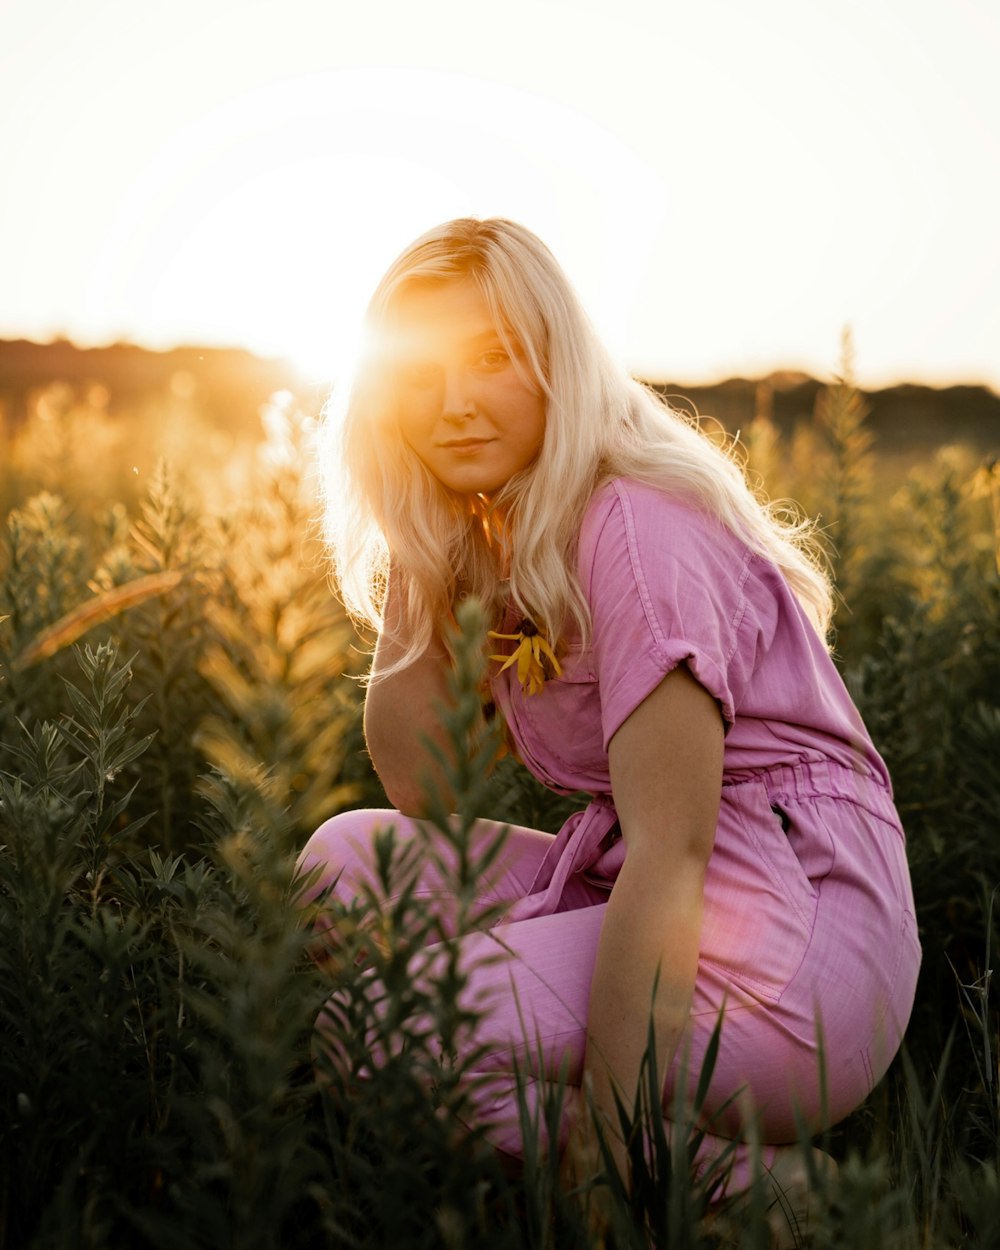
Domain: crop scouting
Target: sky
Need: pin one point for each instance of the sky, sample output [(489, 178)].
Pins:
[(728, 183)]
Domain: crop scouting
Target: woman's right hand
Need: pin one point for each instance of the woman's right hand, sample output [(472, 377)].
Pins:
[(402, 714)]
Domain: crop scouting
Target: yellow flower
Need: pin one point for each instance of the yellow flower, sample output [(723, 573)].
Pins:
[(533, 656)]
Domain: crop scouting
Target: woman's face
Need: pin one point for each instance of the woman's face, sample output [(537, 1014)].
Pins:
[(464, 404)]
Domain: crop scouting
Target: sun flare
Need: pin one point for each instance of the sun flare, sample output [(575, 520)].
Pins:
[(709, 224)]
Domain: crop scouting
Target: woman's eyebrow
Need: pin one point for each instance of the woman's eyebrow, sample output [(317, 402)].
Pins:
[(487, 336), (426, 346)]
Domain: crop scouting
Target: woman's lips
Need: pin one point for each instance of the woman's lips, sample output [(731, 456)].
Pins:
[(466, 446)]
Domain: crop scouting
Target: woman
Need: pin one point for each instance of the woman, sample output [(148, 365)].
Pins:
[(741, 851)]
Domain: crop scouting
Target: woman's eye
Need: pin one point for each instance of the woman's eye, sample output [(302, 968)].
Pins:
[(495, 358)]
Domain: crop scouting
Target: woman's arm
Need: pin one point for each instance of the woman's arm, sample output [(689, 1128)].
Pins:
[(666, 778), (401, 713)]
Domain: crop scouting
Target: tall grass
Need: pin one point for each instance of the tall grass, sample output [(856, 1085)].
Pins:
[(162, 763)]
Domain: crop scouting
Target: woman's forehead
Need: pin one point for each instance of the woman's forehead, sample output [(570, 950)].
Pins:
[(429, 316)]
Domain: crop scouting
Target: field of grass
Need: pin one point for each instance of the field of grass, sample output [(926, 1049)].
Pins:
[(178, 713)]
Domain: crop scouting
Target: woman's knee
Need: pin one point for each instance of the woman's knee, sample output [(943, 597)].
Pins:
[(339, 858)]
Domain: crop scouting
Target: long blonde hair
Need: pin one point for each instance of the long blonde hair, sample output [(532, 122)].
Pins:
[(383, 505)]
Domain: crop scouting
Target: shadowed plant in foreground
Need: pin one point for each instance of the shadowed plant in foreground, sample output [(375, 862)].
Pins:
[(157, 996)]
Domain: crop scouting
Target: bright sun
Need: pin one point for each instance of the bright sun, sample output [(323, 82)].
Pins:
[(720, 199), (267, 222), (256, 261)]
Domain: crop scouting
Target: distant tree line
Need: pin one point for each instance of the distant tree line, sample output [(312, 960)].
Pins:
[(228, 386), (225, 385)]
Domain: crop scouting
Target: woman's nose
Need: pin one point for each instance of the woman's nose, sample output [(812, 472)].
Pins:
[(456, 402)]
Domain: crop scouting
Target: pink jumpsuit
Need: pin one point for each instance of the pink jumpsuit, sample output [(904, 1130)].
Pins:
[(808, 936)]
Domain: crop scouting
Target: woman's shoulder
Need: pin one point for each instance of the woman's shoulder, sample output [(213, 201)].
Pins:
[(639, 512)]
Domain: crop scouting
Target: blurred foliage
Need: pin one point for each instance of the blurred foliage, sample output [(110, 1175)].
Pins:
[(161, 766)]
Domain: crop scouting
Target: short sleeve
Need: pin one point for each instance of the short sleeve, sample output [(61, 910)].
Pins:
[(666, 586)]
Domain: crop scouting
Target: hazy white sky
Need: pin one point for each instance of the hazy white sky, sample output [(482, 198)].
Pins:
[(728, 182)]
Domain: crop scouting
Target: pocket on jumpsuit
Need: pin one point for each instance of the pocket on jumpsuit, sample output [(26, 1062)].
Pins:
[(759, 903), (571, 704)]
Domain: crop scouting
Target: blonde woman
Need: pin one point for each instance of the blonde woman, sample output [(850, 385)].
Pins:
[(666, 638)]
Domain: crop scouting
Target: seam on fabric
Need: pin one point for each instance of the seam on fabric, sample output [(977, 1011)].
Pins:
[(883, 1012), (528, 1048), (742, 606), (593, 552), (766, 989), (635, 567), (838, 798), (866, 1063), (806, 920), (810, 779), (661, 643)]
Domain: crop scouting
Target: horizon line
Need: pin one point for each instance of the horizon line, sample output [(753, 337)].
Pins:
[(790, 372)]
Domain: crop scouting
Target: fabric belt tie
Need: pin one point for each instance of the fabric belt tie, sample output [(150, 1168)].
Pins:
[(577, 845)]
